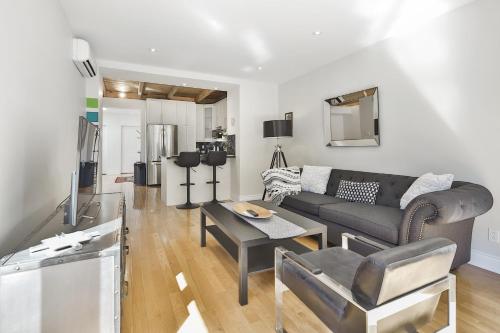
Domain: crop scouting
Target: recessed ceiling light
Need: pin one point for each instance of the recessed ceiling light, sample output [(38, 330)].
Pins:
[(259, 68), (122, 95), (184, 84), (317, 33), (153, 50)]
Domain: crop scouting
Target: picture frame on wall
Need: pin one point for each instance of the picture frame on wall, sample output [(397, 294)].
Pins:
[(289, 116)]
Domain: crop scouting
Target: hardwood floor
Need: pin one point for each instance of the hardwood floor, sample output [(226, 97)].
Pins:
[(176, 286)]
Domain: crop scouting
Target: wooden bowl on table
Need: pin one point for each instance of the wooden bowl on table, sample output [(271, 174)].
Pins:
[(242, 208)]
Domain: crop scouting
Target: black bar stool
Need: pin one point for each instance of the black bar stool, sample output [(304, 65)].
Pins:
[(188, 160), (215, 159)]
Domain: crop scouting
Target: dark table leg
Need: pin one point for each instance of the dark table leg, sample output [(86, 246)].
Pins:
[(322, 241), (243, 268), (203, 229)]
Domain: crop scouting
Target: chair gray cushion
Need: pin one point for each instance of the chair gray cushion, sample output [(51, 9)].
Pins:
[(309, 202), (378, 221), (337, 263)]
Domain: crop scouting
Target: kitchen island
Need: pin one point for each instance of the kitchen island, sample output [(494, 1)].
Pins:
[(172, 193)]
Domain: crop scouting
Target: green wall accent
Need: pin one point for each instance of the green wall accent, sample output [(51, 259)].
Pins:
[(92, 103), (93, 117)]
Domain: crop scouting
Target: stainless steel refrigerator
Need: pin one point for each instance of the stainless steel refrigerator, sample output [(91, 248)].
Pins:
[(161, 141)]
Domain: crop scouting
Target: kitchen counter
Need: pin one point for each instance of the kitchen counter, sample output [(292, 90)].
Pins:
[(172, 193)]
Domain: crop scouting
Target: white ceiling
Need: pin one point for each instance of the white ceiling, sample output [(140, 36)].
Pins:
[(234, 37)]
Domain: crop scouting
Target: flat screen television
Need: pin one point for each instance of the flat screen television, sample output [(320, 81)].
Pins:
[(84, 177)]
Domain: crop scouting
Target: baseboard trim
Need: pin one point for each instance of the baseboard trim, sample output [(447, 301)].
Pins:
[(485, 261), (248, 197)]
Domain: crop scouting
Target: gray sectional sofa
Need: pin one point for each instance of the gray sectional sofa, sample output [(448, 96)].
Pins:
[(448, 214)]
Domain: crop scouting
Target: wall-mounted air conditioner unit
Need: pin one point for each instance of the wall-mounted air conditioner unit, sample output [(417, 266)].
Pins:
[(83, 58)]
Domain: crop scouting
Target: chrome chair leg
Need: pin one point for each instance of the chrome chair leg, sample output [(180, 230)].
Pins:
[(279, 288), (452, 306)]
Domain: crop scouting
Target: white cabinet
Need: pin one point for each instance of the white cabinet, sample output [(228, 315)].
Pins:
[(181, 112), (169, 112), (221, 114), (200, 130), (190, 138), (153, 112), (182, 138), (191, 114)]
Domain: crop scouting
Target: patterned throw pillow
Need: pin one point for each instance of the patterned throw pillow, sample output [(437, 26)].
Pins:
[(358, 192)]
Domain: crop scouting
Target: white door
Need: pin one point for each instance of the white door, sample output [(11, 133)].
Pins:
[(131, 148)]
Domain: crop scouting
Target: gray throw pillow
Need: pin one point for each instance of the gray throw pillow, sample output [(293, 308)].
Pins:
[(315, 178)]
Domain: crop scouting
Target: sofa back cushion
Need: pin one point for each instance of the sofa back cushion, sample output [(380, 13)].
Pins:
[(392, 187)]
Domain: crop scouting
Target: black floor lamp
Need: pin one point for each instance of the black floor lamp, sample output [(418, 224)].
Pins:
[(277, 129)]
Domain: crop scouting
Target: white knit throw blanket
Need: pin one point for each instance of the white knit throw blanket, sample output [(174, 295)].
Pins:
[(281, 182)]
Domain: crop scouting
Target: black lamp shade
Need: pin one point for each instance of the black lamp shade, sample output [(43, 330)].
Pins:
[(278, 128)]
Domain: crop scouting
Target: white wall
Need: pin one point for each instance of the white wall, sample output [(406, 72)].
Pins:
[(438, 105), (113, 121), (42, 95), (258, 102)]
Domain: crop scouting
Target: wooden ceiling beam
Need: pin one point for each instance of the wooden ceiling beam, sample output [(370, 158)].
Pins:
[(116, 94), (184, 99), (203, 94), (140, 89), (171, 93)]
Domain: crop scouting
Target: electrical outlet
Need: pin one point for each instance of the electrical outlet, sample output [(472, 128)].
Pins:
[(494, 235)]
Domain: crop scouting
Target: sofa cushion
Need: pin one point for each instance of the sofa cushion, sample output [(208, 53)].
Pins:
[(309, 202), (381, 222)]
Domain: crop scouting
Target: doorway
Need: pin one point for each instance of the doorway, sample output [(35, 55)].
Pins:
[(131, 148)]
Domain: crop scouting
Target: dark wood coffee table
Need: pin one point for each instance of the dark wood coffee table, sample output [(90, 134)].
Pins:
[(250, 247)]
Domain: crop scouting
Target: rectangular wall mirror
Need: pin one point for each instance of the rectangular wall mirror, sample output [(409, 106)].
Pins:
[(352, 119)]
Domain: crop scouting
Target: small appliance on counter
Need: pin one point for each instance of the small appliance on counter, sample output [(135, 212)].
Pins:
[(218, 133)]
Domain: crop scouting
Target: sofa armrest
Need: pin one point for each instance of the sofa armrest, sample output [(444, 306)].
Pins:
[(441, 207)]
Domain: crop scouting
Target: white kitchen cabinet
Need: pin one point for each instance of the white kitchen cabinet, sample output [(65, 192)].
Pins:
[(200, 130), (191, 138), (181, 108), (182, 114), (153, 112), (182, 138), (190, 114), (221, 114), (169, 112)]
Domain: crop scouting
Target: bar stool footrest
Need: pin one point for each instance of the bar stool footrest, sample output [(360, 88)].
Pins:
[(187, 205)]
